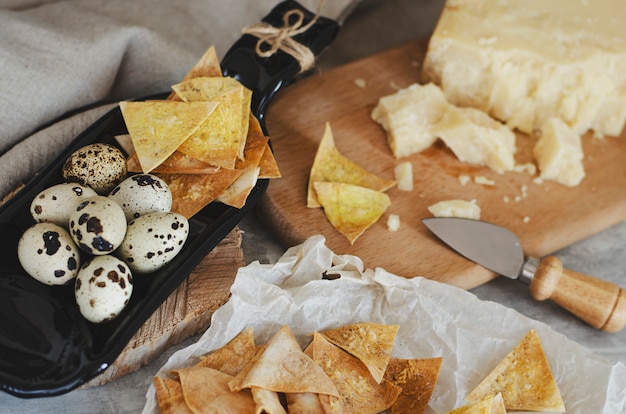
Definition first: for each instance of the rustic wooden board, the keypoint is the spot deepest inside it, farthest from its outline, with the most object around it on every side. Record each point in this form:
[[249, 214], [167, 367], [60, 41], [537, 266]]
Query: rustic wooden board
[[558, 215], [186, 312]]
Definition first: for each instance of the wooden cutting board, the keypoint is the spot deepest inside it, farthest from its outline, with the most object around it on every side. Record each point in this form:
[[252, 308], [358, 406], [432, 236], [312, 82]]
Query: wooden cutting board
[[556, 216]]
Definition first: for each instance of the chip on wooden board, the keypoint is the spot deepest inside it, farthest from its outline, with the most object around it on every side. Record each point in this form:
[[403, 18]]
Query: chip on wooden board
[[282, 366], [524, 378], [417, 378], [359, 392], [351, 209], [329, 165], [158, 128], [490, 404], [371, 343]]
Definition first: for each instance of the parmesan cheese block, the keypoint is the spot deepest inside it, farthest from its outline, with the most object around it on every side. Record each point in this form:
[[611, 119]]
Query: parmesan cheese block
[[527, 61], [407, 117], [476, 138], [559, 154], [455, 208]]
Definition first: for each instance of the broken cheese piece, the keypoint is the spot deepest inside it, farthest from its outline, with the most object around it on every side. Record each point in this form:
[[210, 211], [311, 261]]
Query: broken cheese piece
[[456, 208], [559, 154], [476, 138], [407, 117], [526, 61]]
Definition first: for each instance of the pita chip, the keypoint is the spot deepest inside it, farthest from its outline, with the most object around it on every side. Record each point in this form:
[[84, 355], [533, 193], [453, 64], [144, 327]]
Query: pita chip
[[217, 140], [351, 209], [282, 366], [169, 396], [232, 357], [358, 390], [490, 404], [304, 403], [268, 165], [206, 391], [158, 128], [266, 401], [208, 65], [330, 165], [523, 378], [417, 378], [372, 343]]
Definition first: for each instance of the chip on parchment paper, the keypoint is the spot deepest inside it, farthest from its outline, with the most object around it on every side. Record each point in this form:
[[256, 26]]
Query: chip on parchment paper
[[417, 378], [169, 396], [158, 128], [272, 368], [359, 392], [330, 165], [304, 403], [206, 390], [372, 343], [232, 357], [524, 378], [351, 209], [490, 404]]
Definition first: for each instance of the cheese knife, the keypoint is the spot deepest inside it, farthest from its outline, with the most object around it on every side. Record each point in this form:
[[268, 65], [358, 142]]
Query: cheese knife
[[598, 302]]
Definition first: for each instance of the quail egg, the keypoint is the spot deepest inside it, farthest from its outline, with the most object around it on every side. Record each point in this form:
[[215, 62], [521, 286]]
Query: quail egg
[[98, 225], [142, 194], [47, 252], [56, 203], [99, 166], [153, 240], [103, 288]]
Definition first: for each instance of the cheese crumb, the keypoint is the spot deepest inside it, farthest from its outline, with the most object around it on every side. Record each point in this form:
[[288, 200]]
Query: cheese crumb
[[479, 179], [456, 208], [360, 82], [393, 222], [404, 176], [526, 219], [464, 179]]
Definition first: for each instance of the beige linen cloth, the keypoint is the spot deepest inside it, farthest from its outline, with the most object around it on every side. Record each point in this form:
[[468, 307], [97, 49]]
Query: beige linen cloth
[[63, 64]]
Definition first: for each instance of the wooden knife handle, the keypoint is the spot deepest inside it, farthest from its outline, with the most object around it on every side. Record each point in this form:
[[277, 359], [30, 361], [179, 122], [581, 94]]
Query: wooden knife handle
[[599, 303]]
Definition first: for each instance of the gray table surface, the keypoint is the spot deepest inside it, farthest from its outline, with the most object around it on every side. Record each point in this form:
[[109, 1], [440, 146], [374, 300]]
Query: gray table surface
[[374, 26]]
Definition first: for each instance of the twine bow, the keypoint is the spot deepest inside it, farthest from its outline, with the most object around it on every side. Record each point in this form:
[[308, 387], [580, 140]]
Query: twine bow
[[272, 39]]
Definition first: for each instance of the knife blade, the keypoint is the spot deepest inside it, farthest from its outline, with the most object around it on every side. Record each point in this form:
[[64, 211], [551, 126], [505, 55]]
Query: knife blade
[[598, 302]]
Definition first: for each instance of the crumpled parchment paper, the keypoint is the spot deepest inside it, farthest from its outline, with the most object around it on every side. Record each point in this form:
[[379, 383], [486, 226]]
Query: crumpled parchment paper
[[435, 319]]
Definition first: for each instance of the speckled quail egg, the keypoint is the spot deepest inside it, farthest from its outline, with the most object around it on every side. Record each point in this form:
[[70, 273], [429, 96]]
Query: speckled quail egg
[[103, 288], [99, 166], [153, 240], [56, 203], [142, 194], [47, 252], [98, 225]]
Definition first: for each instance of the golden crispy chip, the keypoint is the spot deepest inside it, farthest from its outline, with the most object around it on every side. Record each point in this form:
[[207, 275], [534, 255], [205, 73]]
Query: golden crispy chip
[[192, 192], [217, 140], [169, 396], [417, 378], [268, 165], [330, 166], [304, 403], [206, 391], [237, 194], [232, 357], [266, 401], [208, 65], [358, 390], [372, 343], [349, 208], [282, 366], [490, 404], [158, 128], [176, 163], [524, 378]]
